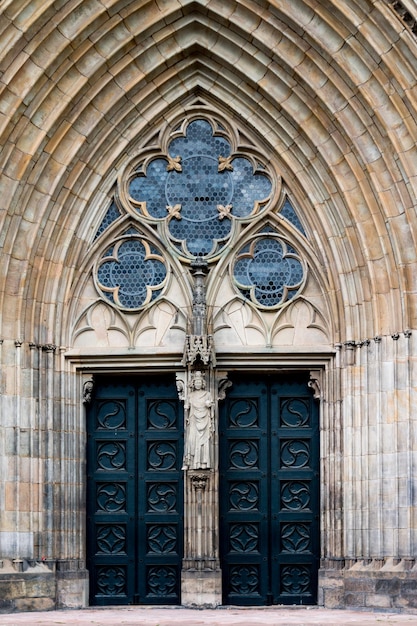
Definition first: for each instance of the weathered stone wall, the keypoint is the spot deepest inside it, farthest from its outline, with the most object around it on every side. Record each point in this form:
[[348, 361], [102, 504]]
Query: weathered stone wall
[[370, 583]]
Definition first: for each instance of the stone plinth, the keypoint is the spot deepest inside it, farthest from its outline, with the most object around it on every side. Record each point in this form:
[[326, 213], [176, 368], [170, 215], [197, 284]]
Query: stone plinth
[[392, 586], [201, 588]]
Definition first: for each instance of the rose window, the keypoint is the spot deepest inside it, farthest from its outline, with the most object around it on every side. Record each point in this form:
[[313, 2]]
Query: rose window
[[200, 187]]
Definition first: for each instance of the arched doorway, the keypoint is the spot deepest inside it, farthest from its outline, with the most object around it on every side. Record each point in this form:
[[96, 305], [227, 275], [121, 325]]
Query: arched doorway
[[202, 251]]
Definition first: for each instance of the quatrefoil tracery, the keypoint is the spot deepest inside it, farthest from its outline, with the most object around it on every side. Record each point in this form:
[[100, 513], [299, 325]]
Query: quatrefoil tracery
[[131, 273], [199, 188]]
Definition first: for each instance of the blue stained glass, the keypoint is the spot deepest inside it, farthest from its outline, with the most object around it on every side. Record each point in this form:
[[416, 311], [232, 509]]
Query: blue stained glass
[[289, 213], [199, 198], [151, 188], [266, 274], [247, 187], [199, 140], [111, 216], [126, 279], [199, 188]]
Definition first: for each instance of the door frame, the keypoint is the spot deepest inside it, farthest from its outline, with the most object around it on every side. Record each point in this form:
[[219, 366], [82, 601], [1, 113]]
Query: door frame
[[325, 379]]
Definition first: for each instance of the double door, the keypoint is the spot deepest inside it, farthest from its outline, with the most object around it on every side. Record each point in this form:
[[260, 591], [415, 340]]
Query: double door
[[269, 485], [269, 500]]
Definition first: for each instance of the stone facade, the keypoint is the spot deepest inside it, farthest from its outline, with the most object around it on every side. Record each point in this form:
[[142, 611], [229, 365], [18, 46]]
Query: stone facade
[[322, 96]]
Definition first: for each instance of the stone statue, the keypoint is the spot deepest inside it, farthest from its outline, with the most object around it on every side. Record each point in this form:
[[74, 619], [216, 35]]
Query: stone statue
[[199, 407]]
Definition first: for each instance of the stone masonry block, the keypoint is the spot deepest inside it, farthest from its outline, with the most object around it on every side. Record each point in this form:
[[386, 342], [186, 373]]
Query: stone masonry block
[[359, 584], [354, 599], [34, 604], [378, 601], [333, 598]]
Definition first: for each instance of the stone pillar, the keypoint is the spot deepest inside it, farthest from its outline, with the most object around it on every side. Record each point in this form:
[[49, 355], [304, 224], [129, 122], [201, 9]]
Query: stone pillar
[[201, 574]]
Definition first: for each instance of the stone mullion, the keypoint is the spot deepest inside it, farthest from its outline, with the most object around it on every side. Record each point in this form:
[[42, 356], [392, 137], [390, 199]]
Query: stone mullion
[[386, 496], [78, 412], [3, 461], [359, 459], [35, 479], [201, 575], [63, 497], [334, 476], [396, 389], [348, 429], [378, 548], [326, 466]]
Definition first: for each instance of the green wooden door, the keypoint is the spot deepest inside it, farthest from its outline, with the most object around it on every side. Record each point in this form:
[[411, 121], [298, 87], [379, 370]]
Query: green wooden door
[[269, 494], [135, 491]]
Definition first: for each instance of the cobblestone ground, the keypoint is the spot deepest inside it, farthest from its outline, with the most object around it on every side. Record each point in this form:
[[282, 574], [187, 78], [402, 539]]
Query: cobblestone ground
[[157, 616]]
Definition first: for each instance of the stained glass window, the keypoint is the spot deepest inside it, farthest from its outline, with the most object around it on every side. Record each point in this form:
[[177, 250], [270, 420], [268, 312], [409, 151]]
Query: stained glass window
[[200, 187], [268, 272], [131, 274], [194, 195]]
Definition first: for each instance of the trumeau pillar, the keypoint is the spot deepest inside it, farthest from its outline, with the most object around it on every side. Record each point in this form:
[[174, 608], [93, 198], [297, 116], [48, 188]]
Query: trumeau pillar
[[200, 387]]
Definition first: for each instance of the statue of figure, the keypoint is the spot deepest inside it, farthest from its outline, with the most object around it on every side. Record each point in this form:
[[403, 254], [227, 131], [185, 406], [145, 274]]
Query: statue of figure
[[198, 407]]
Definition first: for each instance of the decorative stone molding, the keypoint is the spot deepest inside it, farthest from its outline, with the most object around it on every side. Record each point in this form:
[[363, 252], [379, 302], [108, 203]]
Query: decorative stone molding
[[315, 383], [48, 347], [350, 348], [366, 564], [199, 480], [405, 15], [88, 389], [223, 385], [198, 347]]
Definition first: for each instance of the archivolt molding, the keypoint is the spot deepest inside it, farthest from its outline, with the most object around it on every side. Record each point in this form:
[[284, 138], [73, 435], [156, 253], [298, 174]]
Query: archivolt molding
[[330, 92]]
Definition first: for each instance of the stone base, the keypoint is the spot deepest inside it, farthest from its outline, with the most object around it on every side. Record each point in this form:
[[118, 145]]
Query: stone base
[[72, 585], [202, 588], [42, 586], [373, 583]]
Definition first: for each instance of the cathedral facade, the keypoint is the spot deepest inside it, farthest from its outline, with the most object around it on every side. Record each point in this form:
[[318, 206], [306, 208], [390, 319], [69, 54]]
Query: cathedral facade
[[208, 322]]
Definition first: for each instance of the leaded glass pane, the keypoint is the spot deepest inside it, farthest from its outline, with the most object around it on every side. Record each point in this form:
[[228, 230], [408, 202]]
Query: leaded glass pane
[[267, 273], [111, 216], [132, 275], [289, 213], [151, 188], [200, 188]]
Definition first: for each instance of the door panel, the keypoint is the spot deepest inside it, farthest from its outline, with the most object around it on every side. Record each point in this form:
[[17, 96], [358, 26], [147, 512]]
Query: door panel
[[269, 492], [135, 492]]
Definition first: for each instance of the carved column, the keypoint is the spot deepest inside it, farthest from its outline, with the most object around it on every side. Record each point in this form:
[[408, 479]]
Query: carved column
[[199, 390]]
